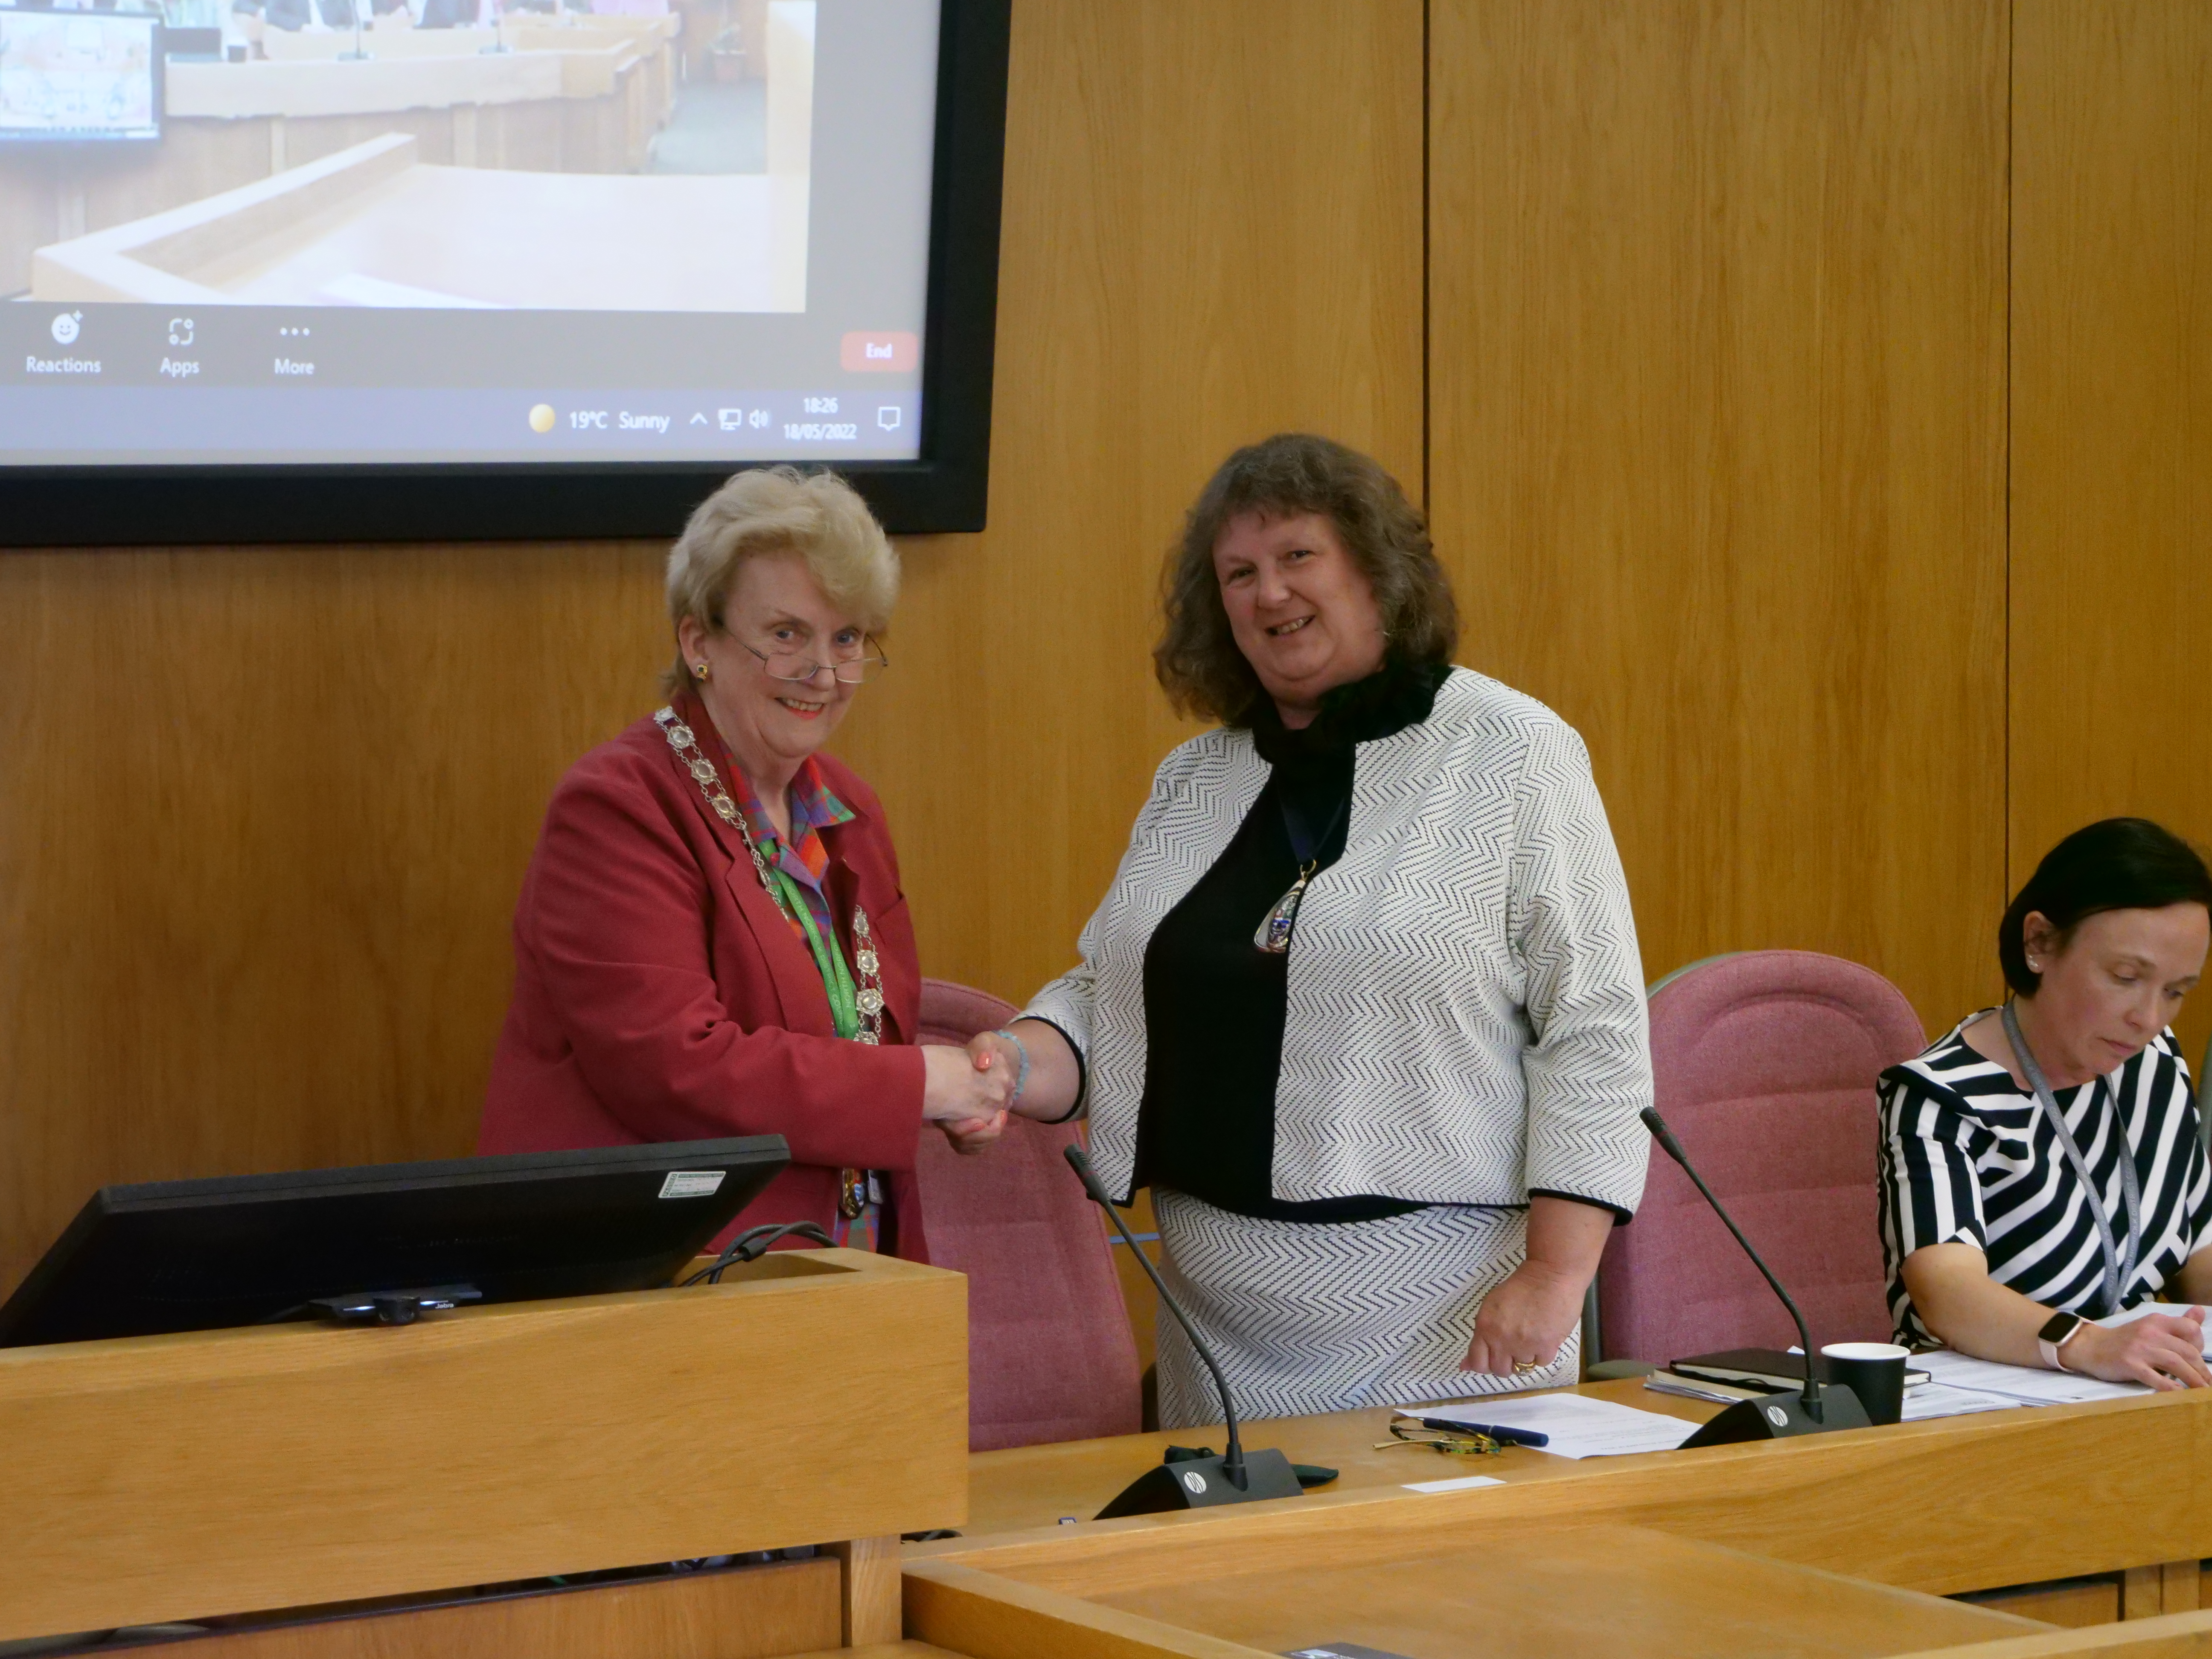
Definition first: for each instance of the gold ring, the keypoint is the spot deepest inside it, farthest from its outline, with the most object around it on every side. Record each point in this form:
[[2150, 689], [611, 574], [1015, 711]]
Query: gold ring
[[1523, 1367]]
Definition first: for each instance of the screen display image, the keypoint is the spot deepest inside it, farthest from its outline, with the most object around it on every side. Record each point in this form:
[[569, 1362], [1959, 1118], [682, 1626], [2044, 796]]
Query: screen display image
[[455, 231], [73, 76]]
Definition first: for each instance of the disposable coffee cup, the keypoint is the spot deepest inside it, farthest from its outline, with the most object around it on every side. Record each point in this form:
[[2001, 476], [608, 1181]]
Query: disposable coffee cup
[[1873, 1371]]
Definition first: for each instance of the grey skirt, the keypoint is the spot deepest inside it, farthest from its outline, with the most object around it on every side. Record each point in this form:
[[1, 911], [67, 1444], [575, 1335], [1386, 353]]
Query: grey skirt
[[1323, 1318]]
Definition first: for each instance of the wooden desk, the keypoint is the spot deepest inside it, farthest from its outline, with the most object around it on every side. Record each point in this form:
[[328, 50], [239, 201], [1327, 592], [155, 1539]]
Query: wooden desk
[[1931, 1508], [1038, 1485], [293, 1466], [1576, 1591]]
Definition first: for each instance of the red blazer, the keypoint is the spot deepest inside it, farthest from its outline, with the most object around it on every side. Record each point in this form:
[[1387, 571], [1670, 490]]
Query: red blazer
[[659, 994]]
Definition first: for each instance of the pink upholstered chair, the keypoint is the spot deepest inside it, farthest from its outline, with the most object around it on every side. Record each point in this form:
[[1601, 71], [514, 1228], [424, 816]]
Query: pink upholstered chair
[[1764, 1065], [1049, 1353]]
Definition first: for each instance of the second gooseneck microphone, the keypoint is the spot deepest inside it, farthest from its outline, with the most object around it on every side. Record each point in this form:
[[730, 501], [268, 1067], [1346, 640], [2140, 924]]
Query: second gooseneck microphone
[[1811, 1396], [1817, 1407]]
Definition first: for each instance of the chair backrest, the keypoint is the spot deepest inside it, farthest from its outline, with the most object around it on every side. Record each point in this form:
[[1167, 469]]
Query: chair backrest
[[1050, 1356], [1764, 1064]]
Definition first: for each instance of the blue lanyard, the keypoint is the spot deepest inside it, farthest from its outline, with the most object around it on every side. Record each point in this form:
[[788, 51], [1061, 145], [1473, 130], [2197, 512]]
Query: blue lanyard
[[1304, 845]]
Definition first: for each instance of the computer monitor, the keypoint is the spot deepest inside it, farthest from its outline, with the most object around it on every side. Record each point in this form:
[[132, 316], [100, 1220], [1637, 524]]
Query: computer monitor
[[543, 271], [188, 1255]]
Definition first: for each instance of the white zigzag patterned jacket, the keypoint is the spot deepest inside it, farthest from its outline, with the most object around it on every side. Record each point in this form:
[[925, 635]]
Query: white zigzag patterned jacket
[[1466, 1020]]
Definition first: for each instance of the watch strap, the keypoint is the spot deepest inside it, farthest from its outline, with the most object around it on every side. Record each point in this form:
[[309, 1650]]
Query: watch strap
[[2060, 1330]]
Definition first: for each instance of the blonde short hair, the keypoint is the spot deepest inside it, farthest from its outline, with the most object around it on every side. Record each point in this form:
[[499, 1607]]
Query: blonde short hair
[[779, 509]]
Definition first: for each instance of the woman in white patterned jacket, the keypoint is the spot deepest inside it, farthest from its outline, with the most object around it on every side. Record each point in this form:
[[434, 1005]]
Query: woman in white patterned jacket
[[1363, 1007]]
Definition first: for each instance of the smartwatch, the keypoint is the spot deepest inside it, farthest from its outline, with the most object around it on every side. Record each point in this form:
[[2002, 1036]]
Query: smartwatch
[[2055, 1336]]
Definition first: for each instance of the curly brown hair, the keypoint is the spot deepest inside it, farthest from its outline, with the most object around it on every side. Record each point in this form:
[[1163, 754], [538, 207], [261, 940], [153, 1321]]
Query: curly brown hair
[[1197, 660]]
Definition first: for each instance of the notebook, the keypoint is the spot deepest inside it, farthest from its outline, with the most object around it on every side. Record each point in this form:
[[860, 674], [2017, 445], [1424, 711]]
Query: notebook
[[1765, 1368]]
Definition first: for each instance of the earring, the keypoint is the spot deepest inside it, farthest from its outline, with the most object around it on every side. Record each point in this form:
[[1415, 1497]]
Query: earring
[[700, 670], [2033, 966]]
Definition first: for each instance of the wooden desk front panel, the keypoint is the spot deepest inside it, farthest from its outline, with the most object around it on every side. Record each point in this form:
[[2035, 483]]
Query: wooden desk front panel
[[747, 1613], [169, 1477]]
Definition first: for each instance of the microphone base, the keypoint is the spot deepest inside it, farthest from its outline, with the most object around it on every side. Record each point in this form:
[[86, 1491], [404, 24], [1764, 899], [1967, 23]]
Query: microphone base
[[1198, 1483], [1782, 1417]]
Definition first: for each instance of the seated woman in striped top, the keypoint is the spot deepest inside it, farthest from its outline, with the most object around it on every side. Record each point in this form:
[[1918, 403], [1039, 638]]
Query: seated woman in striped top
[[2042, 1165]]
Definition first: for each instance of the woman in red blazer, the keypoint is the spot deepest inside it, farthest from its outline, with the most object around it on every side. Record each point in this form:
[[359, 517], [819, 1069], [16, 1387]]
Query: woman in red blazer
[[711, 938]]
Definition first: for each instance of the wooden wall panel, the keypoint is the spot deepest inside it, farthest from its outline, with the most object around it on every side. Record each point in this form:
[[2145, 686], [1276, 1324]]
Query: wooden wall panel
[[2111, 422], [1212, 232], [1717, 435], [263, 813], [1717, 428]]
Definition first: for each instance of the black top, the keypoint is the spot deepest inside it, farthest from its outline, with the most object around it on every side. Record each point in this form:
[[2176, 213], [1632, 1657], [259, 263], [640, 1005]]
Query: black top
[[1214, 1002]]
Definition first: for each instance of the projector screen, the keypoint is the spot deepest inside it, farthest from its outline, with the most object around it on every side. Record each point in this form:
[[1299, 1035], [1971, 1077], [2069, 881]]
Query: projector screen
[[435, 268]]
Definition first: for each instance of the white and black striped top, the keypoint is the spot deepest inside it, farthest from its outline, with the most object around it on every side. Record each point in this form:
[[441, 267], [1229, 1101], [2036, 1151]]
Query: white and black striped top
[[1968, 1157]]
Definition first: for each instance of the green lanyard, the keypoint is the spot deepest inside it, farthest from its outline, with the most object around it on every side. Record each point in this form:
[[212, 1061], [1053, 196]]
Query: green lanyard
[[828, 959]]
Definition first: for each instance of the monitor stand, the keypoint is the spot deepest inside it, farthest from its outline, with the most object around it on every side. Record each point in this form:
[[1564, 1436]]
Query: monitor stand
[[391, 1307]]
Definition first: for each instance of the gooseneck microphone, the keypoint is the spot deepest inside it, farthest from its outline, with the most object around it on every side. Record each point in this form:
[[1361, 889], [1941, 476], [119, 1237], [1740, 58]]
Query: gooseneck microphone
[[1190, 1482], [1233, 1464], [1817, 1406], [1672, 1148]]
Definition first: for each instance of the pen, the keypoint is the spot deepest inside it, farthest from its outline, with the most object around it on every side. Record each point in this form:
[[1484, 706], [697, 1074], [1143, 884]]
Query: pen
[[1498, 1432]]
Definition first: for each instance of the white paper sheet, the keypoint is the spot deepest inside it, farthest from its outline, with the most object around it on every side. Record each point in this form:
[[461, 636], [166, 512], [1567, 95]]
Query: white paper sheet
[[2128, 1315], [1579, 1425], [2024, 1384], [1462, 1483], [1948, 1400]]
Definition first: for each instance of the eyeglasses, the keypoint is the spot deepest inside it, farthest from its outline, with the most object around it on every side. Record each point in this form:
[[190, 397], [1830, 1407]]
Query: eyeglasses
[[849, 670], [1405, 1433]]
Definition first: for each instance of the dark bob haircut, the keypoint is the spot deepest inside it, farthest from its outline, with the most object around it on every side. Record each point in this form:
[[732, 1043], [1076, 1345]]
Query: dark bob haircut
[[1292, 473], [2118, 864]]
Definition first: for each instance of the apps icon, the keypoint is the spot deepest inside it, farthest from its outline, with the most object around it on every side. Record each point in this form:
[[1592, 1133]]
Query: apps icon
[[180, 330]]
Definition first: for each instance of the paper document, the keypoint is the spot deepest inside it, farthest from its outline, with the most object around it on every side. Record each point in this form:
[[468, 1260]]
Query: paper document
[[2128, 1315], [2024, 1384], [1461, 1483], [1948, 1400], [1579, 1426]]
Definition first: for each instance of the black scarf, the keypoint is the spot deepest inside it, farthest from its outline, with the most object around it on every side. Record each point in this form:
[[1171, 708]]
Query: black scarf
[[1398, 694]]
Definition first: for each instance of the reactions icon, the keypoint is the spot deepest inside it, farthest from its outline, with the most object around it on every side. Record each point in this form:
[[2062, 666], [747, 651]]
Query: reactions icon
[[541, 418], [65, 328]]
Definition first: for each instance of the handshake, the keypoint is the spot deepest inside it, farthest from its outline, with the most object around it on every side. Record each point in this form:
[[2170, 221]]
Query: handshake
[[967, 1092]]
